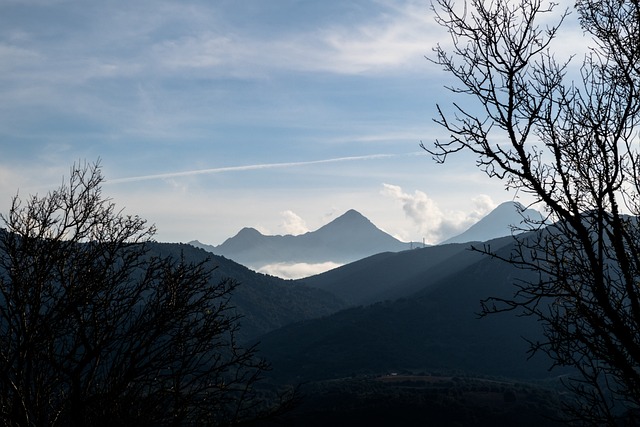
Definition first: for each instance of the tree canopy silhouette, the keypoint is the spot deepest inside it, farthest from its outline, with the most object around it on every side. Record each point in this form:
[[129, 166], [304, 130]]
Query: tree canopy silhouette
[[97, 330], [572, 145]]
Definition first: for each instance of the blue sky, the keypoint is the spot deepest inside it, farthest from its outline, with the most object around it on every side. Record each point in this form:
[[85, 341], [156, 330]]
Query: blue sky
[[209, 116]]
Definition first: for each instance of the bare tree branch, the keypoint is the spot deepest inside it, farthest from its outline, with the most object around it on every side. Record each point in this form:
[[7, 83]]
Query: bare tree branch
[[573, 146], [96, 329]]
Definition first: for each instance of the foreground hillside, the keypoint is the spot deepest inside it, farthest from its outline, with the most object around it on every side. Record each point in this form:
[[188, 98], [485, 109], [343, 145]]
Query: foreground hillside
[[442, 400]]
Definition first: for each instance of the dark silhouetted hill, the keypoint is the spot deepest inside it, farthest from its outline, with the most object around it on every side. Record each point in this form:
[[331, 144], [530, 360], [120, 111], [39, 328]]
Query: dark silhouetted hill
[[434, 328], [266, 302], [390, 275]]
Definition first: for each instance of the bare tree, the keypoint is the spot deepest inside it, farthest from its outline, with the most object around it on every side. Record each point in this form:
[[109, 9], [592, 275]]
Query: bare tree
[[97, 330], [573, 146]]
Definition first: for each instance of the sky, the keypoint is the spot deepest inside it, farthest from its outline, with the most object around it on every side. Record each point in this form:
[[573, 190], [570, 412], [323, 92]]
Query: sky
[[210, 116]]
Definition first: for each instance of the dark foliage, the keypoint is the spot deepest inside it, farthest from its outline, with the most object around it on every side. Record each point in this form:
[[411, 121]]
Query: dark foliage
[[419, 399]]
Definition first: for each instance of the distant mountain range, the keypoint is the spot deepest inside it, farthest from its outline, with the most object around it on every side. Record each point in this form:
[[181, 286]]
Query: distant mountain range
[[345, 239], [349, 238], [394, 310]]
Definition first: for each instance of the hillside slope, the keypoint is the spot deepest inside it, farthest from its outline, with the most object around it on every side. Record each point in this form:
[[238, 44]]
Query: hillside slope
[[436, 328], [389, 276], [265, 302]]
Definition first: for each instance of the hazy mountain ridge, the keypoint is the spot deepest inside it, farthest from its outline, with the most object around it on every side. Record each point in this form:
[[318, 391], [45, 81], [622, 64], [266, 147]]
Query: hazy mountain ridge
[[345, 239], [351, 237]]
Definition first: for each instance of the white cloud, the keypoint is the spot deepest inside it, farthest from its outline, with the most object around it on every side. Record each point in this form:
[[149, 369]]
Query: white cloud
[[135, 42], [293, 224], [483, 204], [432, 222], [297, 270], [418, 207]]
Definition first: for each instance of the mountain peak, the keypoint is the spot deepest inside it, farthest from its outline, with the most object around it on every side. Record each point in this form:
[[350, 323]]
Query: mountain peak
[[348, 237], [352, 212], [498, 223], [249, 231], [248, 236], [352, 215], [509, 206], [347, 222]]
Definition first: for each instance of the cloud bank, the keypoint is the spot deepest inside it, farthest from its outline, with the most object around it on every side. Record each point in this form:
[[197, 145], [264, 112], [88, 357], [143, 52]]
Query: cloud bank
[[297, 270]]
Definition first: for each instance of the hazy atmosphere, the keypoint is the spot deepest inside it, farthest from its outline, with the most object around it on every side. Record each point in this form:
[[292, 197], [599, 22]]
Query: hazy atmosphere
[[212, 116]]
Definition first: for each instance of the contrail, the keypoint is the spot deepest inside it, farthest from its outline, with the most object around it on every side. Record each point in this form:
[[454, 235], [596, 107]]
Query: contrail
[[250, 167]]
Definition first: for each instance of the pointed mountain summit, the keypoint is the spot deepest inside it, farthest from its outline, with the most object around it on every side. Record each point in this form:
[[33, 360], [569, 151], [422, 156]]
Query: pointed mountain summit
[[351, 216], [352, 225], [498, 223], [248, 236], [347, 238]]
